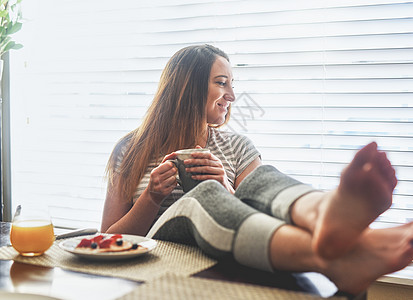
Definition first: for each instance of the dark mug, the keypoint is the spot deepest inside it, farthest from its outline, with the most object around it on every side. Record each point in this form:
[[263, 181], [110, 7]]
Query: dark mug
[[185, 178]]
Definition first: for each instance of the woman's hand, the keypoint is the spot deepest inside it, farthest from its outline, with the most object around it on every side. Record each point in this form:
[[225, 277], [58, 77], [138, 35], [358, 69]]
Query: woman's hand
[[162, 180], [210, 166]]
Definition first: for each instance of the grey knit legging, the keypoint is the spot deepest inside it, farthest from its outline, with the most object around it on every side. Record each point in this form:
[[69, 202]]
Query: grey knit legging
[[240, 225]]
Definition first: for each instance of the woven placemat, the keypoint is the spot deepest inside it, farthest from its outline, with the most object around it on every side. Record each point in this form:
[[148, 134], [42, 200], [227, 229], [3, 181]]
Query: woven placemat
[[173, 287], [166, 258]]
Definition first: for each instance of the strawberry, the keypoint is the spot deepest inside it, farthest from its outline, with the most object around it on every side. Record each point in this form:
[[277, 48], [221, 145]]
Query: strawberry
[[98, 238], [116, 236], [85, 243], [106, 243]]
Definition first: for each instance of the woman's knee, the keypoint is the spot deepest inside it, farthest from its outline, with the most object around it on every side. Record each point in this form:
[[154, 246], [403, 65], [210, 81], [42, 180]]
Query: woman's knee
[[206, 187]]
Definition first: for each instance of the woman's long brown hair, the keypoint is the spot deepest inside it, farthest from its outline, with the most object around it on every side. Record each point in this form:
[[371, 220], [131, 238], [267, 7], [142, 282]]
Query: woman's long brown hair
[[174, 120]]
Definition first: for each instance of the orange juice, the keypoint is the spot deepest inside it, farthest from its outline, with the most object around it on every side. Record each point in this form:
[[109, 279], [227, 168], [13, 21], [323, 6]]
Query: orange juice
[[31, 237]]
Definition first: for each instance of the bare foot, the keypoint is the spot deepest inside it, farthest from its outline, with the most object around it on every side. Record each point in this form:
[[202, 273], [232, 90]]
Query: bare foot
[[378, 252], [365, 191]]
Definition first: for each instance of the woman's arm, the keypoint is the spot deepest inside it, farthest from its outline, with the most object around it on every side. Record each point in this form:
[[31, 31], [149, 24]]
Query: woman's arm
[[251, 167], [121, 216]]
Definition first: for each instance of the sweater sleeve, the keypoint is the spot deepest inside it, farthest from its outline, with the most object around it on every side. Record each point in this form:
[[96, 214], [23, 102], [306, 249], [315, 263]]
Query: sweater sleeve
[[245, 153], [119, 153]]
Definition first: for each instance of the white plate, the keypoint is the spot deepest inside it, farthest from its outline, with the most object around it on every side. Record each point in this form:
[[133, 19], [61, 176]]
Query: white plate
[[23, 296], [149, 244]]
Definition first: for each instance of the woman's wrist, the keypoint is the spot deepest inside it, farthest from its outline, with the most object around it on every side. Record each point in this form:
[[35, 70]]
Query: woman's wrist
[[151, 197]]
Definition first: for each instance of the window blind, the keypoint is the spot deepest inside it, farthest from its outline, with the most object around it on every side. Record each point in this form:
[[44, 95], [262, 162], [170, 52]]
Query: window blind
[[315, 81]]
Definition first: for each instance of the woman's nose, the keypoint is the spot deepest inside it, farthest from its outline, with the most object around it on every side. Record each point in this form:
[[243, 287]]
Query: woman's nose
[[229, 95]]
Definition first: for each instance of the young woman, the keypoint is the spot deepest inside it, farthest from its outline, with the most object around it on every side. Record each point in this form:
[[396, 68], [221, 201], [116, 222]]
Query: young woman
[[255, 214], [194, 98]]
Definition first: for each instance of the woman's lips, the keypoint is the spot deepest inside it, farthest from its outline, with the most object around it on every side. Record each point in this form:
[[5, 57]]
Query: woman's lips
[[223, 106]]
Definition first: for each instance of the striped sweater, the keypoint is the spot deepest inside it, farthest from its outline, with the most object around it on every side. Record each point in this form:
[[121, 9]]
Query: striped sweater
[[235, 151]]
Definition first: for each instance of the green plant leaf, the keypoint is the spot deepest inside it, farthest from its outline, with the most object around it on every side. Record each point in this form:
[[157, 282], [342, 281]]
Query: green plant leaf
[[10, 14], [9, 46], [14, 28], [4, 42], [12, 46], [17, 46]]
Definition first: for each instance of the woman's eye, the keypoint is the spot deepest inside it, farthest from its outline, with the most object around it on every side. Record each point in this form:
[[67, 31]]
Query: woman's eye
[[221, 83]]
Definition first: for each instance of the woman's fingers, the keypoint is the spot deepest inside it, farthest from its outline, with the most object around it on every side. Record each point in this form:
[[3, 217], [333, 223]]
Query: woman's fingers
[[203, 159], [163, 177], [172, 155], [206, 169], [163, 171], [206, 163], [203, 177], [209, 167], [207, 155], [202, 162], [168, 169]]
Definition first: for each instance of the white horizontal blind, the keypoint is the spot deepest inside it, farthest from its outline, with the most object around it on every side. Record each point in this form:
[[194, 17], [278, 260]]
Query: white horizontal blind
[[315, 81]]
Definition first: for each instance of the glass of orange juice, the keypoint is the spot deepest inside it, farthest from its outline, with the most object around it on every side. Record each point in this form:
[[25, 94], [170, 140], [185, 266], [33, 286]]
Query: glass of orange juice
[[31, 231]]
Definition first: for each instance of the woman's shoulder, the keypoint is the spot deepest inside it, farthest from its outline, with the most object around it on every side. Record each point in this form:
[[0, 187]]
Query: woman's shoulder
[[228, 136], [220, 132], [237, 149], [123, 144]]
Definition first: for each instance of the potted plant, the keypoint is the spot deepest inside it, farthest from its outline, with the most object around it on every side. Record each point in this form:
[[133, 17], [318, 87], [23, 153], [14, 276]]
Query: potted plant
[[10, 15]]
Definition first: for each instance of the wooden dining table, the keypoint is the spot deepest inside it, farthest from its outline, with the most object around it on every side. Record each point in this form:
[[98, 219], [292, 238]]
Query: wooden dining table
[[54, 281]]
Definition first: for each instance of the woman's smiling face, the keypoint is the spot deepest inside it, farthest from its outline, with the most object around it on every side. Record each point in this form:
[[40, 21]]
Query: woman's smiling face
[[220, 92]]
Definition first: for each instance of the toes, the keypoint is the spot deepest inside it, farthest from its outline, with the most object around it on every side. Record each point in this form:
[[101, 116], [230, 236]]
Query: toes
[[365, 154], [383, 162], [392, 179], [371, 161], [387, 170]]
